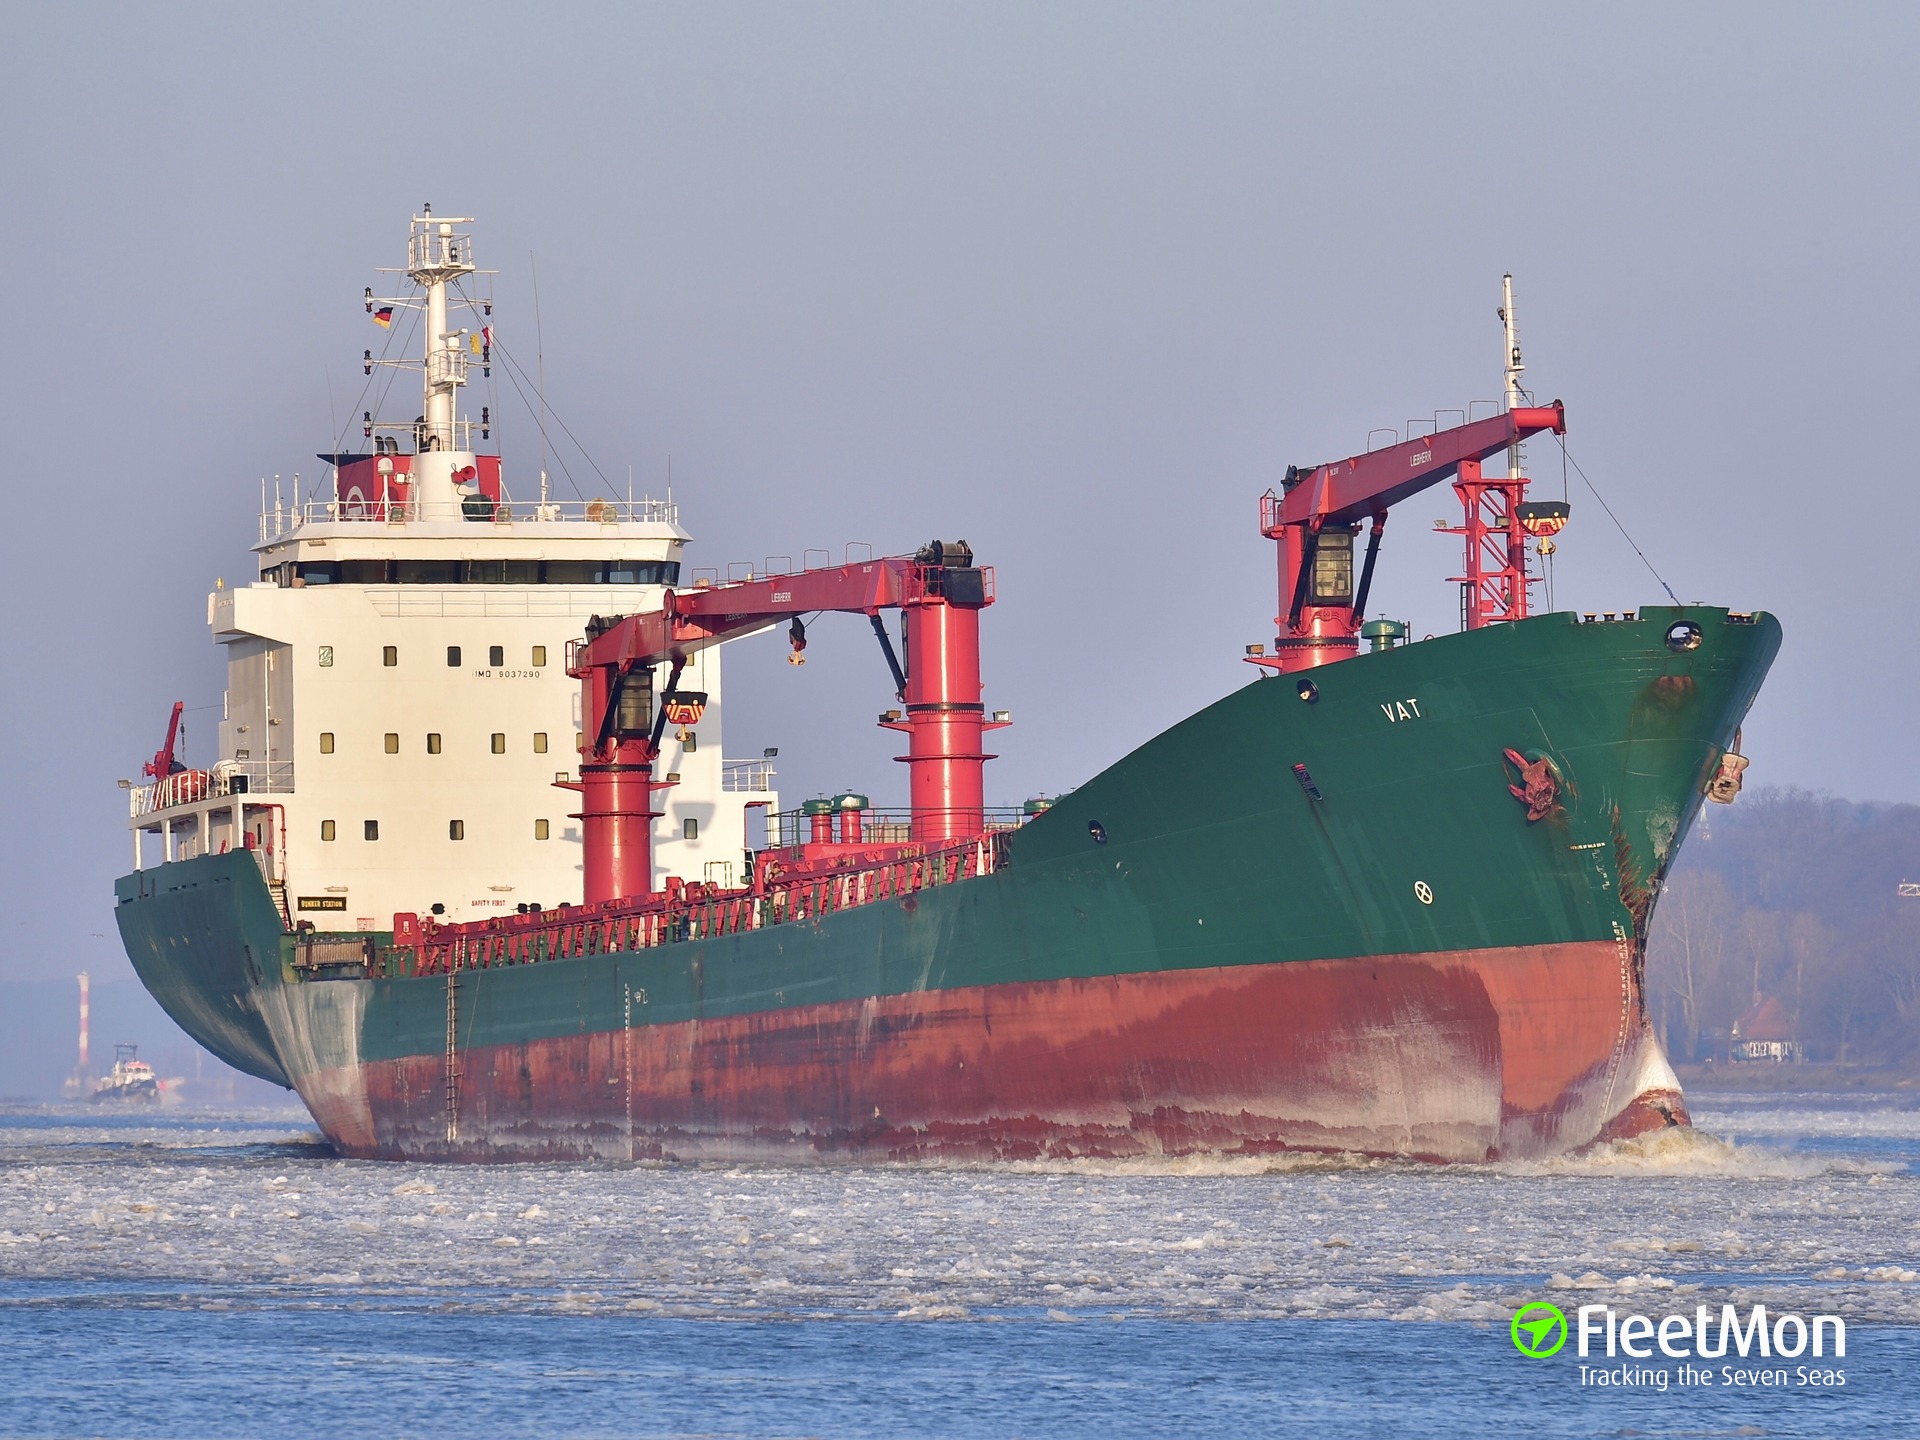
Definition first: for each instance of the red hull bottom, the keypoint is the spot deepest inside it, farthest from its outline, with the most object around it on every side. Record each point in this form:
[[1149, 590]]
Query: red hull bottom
[[1468, 1056]]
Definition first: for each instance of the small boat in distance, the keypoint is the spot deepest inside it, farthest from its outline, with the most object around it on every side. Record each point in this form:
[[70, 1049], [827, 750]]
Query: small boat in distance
[[130, 1079]]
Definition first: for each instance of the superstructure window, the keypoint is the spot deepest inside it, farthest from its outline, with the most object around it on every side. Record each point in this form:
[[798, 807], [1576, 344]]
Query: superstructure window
[[610, 572], [539, 656], [691, 743], [540, 830], [393, 743], [326, 742], [389, 655], [427, 572], [326, 829], [456, 829], [370, 829], [496, 655], [499, 742], [501, 572], [689, 829], [433, 742], [475, 572], [539, 742], [453, 657], [326, 657]]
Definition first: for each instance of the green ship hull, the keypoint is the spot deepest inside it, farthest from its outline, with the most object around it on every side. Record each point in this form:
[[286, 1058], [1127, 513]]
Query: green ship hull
[[1404, 917]]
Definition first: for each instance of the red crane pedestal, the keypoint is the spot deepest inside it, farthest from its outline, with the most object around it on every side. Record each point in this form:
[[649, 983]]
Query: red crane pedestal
[[946, 775], [1323, 633], [616, 823]]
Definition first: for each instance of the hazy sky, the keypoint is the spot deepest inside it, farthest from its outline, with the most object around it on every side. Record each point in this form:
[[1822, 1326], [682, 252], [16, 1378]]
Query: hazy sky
[[1073, 282]]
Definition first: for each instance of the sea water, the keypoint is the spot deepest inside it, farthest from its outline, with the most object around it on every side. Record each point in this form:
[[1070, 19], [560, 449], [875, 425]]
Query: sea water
[[168, 1274]]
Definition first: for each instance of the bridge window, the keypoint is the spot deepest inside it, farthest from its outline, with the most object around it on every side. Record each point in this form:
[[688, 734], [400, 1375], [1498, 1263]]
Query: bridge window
[[427, 572], [326, 829], [501, 572]]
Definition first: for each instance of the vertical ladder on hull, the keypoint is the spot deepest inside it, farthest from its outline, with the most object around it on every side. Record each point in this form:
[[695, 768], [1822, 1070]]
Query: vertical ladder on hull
[[452, 1071]]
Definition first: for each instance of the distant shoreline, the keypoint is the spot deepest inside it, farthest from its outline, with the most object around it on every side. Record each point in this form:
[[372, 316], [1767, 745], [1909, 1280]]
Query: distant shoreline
[[1755, 1077]]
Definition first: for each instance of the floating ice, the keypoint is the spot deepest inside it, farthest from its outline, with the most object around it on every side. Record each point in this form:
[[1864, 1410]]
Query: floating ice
[[1815, 1210]]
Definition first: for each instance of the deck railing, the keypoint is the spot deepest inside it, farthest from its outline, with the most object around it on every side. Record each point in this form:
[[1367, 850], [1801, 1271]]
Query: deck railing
[[224, 780], [880, 827], [690, 914], [279, 520], [746, 776]]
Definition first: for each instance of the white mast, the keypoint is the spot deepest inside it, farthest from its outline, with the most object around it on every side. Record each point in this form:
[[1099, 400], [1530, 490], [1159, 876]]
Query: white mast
[[1514, 367], [438, 252]]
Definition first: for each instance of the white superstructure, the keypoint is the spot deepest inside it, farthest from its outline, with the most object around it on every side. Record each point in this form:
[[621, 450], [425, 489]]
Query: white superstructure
[[398, 707]]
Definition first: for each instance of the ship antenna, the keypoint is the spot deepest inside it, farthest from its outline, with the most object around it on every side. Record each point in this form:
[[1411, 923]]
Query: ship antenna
[[540, 366], [1514, 367]]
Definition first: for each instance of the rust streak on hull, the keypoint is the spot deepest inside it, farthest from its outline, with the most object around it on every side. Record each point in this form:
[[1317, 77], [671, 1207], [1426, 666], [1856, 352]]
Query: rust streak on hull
[[1462, 1056]]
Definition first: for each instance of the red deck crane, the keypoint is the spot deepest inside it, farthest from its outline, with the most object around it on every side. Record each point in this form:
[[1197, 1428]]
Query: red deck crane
[[940, 594], [164, 762], [1317, 515]]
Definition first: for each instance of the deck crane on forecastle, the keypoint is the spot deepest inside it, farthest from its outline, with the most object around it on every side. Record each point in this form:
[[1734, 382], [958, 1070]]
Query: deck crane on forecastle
[[1317, 514]]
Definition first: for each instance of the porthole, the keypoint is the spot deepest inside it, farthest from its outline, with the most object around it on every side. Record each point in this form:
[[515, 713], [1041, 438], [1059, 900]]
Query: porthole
[[1683, 635], [1097, 831], [1307, 691]]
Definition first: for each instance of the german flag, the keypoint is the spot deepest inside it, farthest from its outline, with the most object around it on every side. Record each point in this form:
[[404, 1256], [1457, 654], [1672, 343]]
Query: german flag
[[383, 317]]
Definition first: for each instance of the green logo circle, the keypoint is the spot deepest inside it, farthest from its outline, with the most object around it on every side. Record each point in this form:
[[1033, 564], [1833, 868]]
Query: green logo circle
[[1539, 1330]]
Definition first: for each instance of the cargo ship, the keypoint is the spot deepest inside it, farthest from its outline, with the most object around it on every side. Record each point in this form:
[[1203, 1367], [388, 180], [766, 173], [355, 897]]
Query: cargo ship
[[1391, 903]]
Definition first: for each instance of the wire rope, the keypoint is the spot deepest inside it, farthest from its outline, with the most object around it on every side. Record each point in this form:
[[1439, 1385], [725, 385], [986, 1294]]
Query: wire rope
[[1568, 454]]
